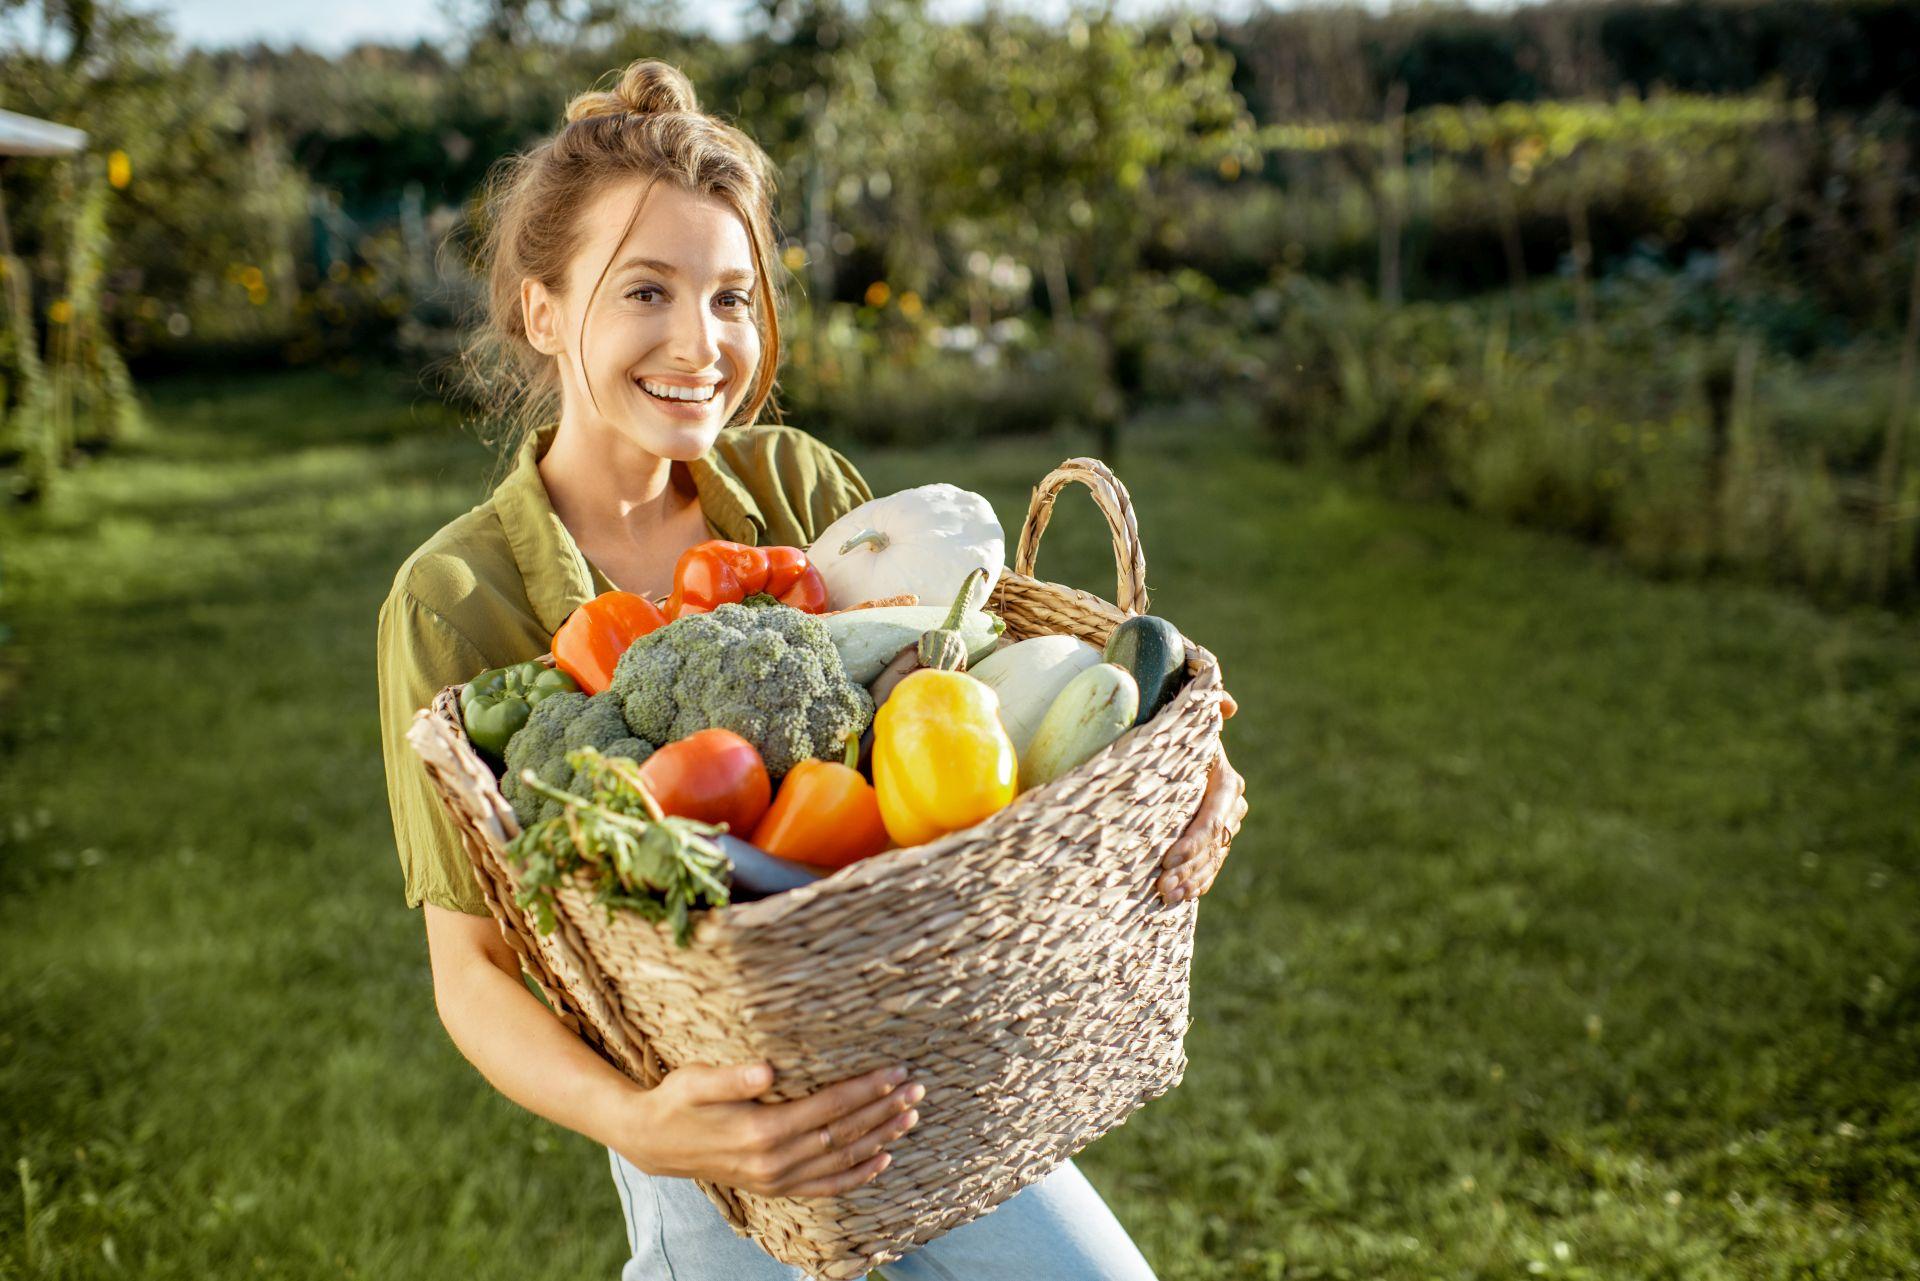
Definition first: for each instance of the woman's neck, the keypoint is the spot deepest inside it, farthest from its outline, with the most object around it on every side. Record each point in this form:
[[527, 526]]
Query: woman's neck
[[606, 481], [618, 501]]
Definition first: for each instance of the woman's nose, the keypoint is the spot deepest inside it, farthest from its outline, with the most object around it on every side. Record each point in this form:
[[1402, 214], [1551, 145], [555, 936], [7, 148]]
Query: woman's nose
[[693, 336]]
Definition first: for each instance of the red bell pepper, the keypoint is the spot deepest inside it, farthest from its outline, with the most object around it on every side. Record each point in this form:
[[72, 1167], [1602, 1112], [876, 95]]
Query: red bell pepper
[[792, 580], [718, 572]]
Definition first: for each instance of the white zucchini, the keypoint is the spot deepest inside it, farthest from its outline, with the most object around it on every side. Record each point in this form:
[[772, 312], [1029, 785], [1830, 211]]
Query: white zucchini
[[1096, 707], [868, 639], [1028, 675]]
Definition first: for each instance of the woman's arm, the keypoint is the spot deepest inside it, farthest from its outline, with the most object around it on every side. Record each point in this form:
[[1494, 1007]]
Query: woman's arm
[[700, 1122], [504, 1030]]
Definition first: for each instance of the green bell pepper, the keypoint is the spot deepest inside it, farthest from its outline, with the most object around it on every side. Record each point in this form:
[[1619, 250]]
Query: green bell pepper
[[497, 702]]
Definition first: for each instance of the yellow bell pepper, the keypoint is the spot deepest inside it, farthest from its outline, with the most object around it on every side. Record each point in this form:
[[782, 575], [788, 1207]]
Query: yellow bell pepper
[[941, 758]]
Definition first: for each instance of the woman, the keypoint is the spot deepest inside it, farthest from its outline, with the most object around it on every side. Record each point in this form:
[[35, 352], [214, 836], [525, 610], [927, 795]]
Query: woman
[[632, 296]]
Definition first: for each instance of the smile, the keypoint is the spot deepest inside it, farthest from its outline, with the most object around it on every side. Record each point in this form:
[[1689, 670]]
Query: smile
[[684, 395]]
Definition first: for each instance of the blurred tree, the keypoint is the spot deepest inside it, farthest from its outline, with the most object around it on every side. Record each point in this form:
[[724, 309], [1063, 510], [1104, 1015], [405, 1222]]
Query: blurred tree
[[1057, 140]]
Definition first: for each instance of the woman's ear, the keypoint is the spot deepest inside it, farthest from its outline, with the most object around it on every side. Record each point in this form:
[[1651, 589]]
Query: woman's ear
[[540, 312]]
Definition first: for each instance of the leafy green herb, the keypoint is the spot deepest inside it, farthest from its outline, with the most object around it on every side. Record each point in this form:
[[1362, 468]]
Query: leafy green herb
[[620, 845]]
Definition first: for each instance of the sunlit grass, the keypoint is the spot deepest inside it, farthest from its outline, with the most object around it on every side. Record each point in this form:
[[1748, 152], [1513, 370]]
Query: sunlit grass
[[1570, 933]]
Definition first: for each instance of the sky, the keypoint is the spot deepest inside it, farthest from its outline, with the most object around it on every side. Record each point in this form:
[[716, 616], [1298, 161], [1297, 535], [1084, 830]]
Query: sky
[[338, 24]]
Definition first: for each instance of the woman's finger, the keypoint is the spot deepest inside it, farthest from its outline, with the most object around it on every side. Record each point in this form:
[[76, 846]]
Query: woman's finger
[[1200, 880], [847, 1132], [733, 1083], [829, 1164], [1193, 861], [836, 1184], [786, 1121], [1224, 786]]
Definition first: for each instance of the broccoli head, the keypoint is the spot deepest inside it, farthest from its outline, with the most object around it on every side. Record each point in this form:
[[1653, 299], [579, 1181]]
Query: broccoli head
[[770, 674], [542, 744]]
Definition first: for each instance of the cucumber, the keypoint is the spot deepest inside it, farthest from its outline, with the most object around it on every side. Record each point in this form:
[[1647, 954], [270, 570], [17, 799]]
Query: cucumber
[[1151, 650], [868, 639], [1096, 707]]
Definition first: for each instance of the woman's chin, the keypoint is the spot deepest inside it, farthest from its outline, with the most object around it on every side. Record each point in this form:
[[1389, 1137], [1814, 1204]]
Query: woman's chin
[[680, 441]]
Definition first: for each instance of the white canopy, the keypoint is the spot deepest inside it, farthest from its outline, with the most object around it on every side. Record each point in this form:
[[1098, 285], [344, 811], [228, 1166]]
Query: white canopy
[[25, 136]]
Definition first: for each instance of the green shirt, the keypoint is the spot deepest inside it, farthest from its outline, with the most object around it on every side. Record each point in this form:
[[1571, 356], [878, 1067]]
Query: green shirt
[[493, 585]]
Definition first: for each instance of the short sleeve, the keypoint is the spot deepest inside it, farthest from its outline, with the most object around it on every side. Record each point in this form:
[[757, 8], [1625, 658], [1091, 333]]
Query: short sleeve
[[420, 654]]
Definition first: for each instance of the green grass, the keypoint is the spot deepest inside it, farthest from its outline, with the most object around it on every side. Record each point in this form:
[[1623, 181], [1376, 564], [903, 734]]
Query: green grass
[[1570, 934]]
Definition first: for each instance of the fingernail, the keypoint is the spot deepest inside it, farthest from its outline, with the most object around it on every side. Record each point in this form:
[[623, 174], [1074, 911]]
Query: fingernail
[[915, 1093], [896, 1075], [886, 1159], [908, 1121]]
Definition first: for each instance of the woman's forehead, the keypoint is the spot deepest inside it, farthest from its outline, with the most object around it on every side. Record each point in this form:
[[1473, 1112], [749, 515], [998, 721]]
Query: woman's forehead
[[677, 233]]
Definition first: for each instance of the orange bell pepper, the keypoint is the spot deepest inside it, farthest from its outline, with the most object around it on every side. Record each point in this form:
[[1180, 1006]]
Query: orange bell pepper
[[590, 642], [718, 572], [825, 815]]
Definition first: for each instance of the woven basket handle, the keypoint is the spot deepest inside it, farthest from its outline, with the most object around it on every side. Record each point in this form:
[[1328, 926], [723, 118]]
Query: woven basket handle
[[1129, 559]]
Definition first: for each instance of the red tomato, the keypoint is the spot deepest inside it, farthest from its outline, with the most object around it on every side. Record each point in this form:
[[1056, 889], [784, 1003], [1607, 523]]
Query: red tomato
[[715, 776]]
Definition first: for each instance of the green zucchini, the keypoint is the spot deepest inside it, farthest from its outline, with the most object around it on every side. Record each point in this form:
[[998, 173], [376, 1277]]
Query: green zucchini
[[1151, 650], [1096, 707]]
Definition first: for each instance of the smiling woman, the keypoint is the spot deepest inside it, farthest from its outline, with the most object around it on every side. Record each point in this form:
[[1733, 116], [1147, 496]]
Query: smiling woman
[[657, 355], [633, 336]]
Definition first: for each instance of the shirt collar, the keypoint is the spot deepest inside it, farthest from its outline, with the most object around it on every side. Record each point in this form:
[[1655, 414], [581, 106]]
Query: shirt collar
[[558, 577]]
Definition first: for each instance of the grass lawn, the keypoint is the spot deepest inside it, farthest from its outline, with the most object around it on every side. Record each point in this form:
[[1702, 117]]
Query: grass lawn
[[1572, 932]]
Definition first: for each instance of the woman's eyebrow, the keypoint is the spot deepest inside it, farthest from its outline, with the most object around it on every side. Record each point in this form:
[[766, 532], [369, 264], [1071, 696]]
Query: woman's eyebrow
[[732, 275]]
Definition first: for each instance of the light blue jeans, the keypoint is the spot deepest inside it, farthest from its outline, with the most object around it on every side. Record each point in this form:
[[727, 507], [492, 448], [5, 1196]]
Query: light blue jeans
[[1058, 1229]]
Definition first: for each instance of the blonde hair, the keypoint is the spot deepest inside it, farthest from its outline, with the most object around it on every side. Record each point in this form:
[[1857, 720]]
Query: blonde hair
[[648, 126]]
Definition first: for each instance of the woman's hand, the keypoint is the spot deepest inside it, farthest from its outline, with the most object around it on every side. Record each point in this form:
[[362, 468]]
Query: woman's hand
[[1195, 858], [703, 1123]]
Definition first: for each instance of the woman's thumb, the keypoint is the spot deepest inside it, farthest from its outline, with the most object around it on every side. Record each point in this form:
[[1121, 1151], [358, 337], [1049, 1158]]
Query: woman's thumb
[[730, 1084]]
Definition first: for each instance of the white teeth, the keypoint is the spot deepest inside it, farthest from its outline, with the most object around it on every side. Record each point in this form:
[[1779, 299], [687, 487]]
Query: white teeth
[[665, 392]]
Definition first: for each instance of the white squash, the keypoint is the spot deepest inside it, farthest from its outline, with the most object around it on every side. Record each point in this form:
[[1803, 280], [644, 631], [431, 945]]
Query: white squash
[[1028, 675], [921, 541]]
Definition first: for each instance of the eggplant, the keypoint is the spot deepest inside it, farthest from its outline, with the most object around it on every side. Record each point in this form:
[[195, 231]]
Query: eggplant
[[758, 874], [903, 664]]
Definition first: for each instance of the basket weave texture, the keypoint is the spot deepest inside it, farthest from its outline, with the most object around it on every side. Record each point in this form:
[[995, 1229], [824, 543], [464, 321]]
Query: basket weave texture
[[1025, 968]]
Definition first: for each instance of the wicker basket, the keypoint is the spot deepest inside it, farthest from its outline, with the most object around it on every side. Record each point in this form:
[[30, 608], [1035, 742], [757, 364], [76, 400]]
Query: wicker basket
[[1024, 968]]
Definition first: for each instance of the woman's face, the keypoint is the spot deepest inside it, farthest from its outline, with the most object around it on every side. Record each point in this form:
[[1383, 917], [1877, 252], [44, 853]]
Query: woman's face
[[670, 345]]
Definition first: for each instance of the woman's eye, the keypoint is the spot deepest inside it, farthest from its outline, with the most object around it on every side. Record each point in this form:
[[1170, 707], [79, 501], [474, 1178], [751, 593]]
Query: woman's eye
[[739, 300], [636, 293]]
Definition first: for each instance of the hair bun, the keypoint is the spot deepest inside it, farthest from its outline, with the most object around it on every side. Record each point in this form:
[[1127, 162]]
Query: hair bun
[[647, 87]]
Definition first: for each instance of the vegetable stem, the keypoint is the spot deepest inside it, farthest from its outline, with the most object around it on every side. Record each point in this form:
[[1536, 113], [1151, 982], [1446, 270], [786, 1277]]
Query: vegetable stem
[[943, 647], [620, 845], [875, 540]]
